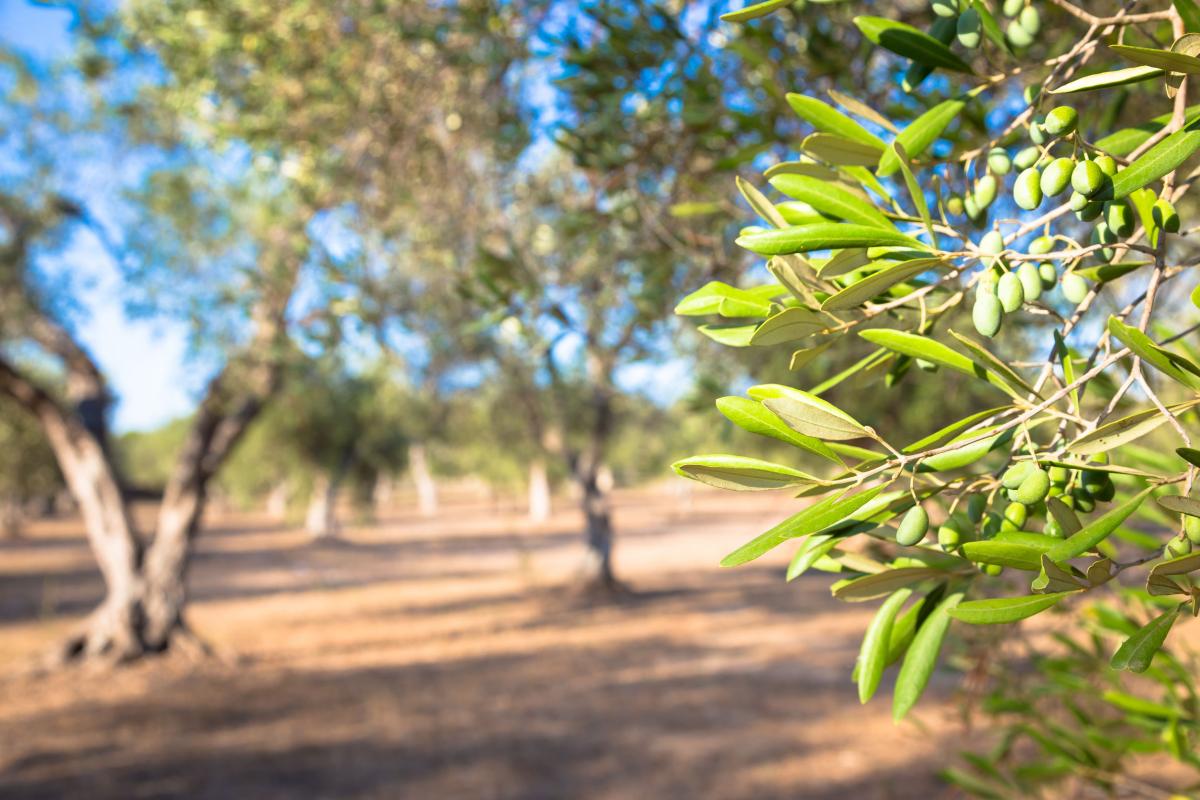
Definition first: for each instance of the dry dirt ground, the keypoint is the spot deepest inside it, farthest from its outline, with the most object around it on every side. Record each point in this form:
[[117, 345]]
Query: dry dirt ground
[[444, 659]]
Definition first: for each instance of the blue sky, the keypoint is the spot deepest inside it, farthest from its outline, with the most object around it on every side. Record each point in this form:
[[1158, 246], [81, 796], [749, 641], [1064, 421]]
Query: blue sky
[[146, 360]]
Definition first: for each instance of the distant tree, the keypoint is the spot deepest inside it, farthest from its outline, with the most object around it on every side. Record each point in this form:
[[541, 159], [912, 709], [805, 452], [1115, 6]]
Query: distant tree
[[28, 471]]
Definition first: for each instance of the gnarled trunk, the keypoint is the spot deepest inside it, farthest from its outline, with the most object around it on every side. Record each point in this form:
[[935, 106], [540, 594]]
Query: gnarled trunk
[[597, 514], [427, 491]]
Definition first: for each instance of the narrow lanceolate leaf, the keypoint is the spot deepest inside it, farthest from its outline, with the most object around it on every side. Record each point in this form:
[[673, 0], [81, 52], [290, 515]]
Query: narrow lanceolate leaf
[[729, 335], [920, 134], [808, 413], [1156, 162], [1124, 430], [1005, 609], [1123, 142], [787, 326], [844, 261], [857, 294], [759, 202], [823, 236], [989, 361], [872, 658], [1064, 515], [1054, 578], [811, 550], [1017, 555], [755, 10], [1162, 59], [991, 28], [915, 345], [827, 119], [831, 199], [1097, 530], [915, 191], [922, 657], [870, 587], [863, 110], [907, 41], [942, 435], [839, 151], [716, 297], [740, 473], [1104, 80], [1159, 582], [753, 416], [816, 517], [1171, 364], [1137, 652], [1189, 12], [1180, 505]]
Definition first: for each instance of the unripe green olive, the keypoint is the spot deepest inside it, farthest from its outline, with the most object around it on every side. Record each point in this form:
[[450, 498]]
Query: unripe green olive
[[992, 243], [1179, 547], [944, 8], [1092, 479], [1030, 20], [985, 191], [976, 505], [1048, 274], [1078, 202], [1015, 515], [1165, 216], [1075, 287], [969, 29], [971, 206], [987, 314], [1087, 178], [1107, 165], [1034, 488], [1090, 211], [954, 206], [1053, 529], [1106, 491], [1041, 245], [949, 537], [1013, 7], [1037, 134], [927, 366], [1027, 189], [1031, 281], [989, 279], [999, 161], [1027, 158], [1009, 292], [1102, 234], [1031, 93], [1057, 176], [1119, 218], [1062, 120], [1191, 528], [1059, 476], [993, 570], [1083, 500], [1015, 475], [1017, 36], [913, 527]]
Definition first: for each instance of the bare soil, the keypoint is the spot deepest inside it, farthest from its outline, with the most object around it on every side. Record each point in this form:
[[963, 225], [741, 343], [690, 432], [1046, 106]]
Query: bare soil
[[450, 658]]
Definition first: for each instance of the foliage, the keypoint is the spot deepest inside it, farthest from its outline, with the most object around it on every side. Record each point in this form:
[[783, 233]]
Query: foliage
[[1074, 479]]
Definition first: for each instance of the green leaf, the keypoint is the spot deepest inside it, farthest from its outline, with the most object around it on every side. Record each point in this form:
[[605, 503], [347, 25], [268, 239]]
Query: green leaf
[[787, 326], [808, 413], [759, 202], [1190, 455], [1137, 652], [816, 517], [920, 134], [915, 191], [991, 28], [1104, 80], [907, 41], [1124, 430], [872, 658], [844, 261], [1140, 705], [922, 657], [857, 294], [827, 119], [753, 416], [943, 435], [1103, 273], [1156, 162], [1180, 505], [869, 587], [1189, 12], [755, 10], [987, 360], [1064, 515], [818, 171], [1008, 553], [1002, 610], [740, 473], [729, 335], [1053, 578], [834, 149], [823, 236], [1159, 583], [1126, 140], [1171, 364], [861, 109], [716, 297], [1097, 530], [915, 345], [1162, 59], [811, 550], [831, 199]]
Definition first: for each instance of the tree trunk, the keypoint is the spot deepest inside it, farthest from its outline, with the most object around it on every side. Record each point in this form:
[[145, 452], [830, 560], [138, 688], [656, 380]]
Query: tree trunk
[[12, 518], [277, 501], [321, 519], [539, 491], [597, 514], [427, 491]]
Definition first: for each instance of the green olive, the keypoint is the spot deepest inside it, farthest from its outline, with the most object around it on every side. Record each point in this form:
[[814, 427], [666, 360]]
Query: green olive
[[1027, 158], [1191, 528], [1030, 20], [1091, 210], [1075, 287], [1027, 189], [954, 206], [992, 243], [999, 161], [1013, 7], [913, 527], [944, 8], [1062, 120], [969, 29], [1119, 218], [1015, 475], [1041, 245], [1053, 529], [949, 537], [1179, 547], [1102, 234], [1048, 274], [1056, 177], [1009, 292], [1037, 134], [1165, 216], [1083, 500], [1087, 178], [1015, 515], [1031, 281], [1034, 488], [993, 570], [987, 315], [985, 191], [1107, 165], [976, 505], [1017, 36]]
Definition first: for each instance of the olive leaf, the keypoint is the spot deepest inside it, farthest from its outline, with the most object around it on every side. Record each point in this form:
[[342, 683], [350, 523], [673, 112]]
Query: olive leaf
[[808, 413], [831, 199], [822, 236], [1002, 610], [922, 657], [872, 658], [1137, 652], [740, 472], [907, 41], [828, 119]]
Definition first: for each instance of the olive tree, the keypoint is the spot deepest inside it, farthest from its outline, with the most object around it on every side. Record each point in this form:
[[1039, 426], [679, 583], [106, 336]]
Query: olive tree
[[1010, 220]]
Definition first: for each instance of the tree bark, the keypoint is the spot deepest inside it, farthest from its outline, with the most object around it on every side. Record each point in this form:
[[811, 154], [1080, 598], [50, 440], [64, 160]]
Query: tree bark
[[277, 500], [427, 491], [539, 491], [321, 519], [12, 518]]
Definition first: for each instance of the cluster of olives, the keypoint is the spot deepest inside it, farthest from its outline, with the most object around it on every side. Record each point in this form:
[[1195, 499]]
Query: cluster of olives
[[1026, 487], [967, 25], [1002, 290]]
